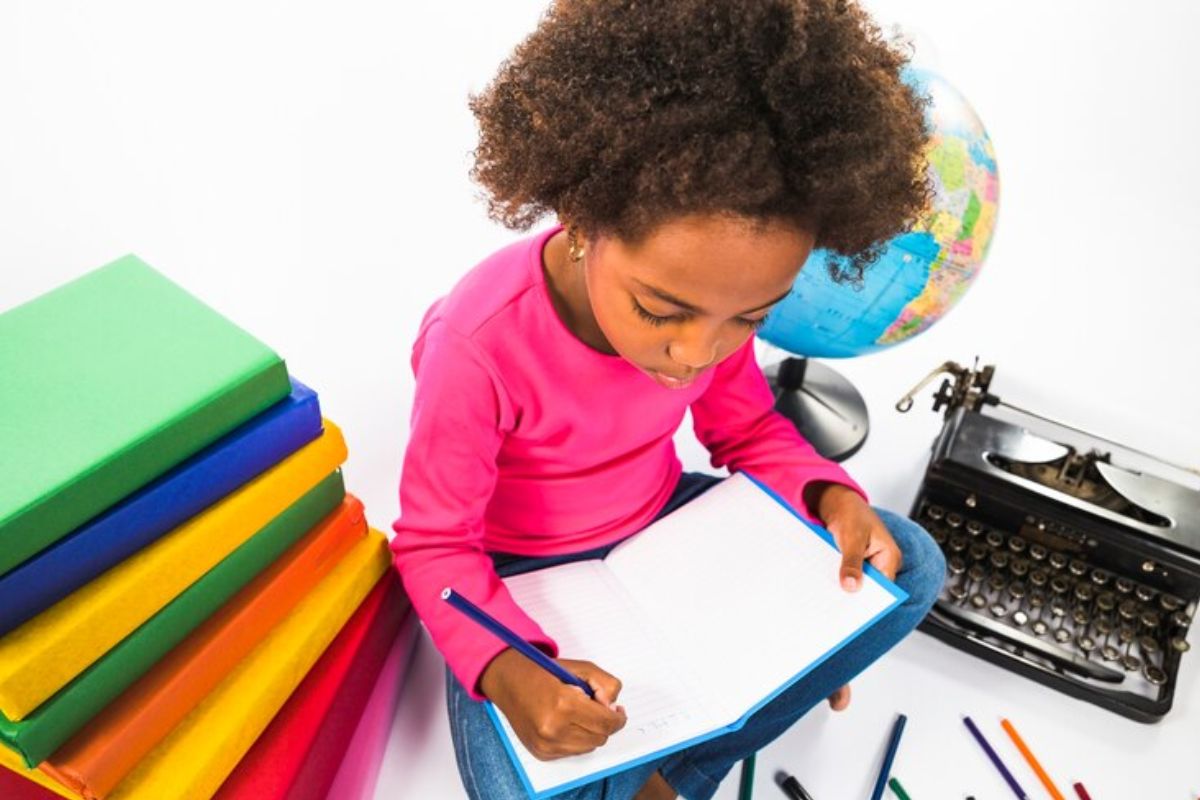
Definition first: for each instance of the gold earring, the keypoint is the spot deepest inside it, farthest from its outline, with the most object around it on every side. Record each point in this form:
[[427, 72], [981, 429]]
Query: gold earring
[[574, 248]]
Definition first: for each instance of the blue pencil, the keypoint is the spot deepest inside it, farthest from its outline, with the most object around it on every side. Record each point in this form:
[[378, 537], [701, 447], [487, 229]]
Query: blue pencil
[[513, 640], [987, 748], [889, 757]]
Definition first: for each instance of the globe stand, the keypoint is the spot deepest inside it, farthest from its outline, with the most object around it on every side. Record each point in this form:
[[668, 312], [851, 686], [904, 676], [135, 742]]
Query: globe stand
[[822, 404]]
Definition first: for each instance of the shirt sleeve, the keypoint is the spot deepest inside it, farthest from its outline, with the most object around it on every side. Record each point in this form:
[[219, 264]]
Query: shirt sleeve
[[459, 418], [736, 420]]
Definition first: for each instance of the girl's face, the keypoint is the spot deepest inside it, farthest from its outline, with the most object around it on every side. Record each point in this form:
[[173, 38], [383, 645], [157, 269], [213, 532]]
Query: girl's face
[[689, 293]]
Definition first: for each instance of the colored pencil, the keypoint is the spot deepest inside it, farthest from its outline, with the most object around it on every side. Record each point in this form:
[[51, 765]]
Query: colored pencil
[[889, 757], [1033, 762], [995, 758], [898, 789]]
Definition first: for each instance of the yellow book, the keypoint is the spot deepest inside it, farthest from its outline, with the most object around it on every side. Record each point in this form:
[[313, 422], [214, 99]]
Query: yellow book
[[194, 760], [47, 652]]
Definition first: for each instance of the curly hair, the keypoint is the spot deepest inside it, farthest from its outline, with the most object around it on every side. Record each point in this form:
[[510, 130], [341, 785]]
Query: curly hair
[[618, 115]]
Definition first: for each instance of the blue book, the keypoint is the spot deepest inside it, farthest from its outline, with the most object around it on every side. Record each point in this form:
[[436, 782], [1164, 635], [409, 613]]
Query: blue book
[[159, 507], [705, 616]]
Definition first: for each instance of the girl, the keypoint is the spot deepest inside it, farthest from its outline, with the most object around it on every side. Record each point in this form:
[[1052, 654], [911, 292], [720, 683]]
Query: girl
[[694, 152]]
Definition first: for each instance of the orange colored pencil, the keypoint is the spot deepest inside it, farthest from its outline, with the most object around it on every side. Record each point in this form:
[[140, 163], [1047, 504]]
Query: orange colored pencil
[[1033, 762]]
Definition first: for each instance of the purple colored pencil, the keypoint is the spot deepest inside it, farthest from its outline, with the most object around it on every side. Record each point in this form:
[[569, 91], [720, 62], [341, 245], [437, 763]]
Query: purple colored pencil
[[987, 748]]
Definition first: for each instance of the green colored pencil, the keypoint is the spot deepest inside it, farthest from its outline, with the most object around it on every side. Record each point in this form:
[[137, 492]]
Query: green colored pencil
[[898, 789]]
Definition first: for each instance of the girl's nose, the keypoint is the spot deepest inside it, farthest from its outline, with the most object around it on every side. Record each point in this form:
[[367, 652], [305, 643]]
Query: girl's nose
[[696, 354]]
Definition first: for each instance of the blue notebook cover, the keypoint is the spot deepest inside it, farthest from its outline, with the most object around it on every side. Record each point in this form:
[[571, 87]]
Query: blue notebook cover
[[159, 507], [897, 596]]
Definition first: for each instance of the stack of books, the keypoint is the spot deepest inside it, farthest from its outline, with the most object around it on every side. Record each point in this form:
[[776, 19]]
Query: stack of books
[[191, 605]]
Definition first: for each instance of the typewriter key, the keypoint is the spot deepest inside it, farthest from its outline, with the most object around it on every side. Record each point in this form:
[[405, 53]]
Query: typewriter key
[[1181, 619], [978, 551], [1057, 561], [1148, 619], [1127, 610], [976, 573], [1124, 585], [974, 527], [1059, 584], [1078, 568], [997, 582], [998, 610], [1149, 645], [957, 592], [954, 520], [1062, 636], [1016, 590], [1019, 617], [1039, 628], [1016, 544], [1131, 663], [1037, 552], [1154, 675], [955, 565], [1169, 602], [994, 539], [1103, 626], [1125, 634], [1099, 577], [1144, 593], [1039, 577], [939, 535], [1110, 653], [1086, 643], [1180, 644], [1037, 598], [1019, 567], [1057, 607], [998, 559], [1081, 617], [935, 512], [978, 600], [1106, 602], [958, 544], [1083, 592]]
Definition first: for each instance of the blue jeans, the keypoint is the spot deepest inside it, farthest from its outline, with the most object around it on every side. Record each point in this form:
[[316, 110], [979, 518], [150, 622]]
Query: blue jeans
[[695, 773]]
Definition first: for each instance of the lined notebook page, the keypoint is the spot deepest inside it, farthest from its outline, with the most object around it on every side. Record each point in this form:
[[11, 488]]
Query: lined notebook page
[[591, 618], [745, 594]]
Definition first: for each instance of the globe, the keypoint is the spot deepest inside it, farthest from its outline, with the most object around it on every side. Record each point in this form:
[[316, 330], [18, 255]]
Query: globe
[[920, 275], [923, 272]]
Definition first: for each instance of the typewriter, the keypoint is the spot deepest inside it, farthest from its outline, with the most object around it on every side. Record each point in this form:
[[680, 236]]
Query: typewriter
[[1070, 559]]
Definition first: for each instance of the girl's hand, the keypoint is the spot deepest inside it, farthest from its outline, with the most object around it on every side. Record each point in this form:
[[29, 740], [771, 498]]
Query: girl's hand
[[551, 718], [859, 532]]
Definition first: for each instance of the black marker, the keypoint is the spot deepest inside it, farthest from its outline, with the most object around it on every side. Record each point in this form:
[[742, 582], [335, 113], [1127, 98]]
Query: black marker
[[791, 787]]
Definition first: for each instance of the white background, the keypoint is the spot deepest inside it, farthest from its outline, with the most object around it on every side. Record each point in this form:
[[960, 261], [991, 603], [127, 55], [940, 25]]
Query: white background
[[302, 167]]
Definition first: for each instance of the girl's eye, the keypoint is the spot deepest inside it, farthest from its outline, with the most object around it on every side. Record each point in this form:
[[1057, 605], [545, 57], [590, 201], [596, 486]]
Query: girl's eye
[[753, 324], [653, 319]]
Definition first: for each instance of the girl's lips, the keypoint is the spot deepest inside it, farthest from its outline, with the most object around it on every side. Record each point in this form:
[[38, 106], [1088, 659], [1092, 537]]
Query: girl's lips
[[672, 383]]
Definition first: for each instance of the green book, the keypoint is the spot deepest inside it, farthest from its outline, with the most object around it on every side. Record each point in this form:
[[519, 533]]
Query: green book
[[106, 383]]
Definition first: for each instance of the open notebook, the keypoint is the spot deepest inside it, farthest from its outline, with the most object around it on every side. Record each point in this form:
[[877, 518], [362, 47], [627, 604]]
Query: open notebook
[[705, 616]]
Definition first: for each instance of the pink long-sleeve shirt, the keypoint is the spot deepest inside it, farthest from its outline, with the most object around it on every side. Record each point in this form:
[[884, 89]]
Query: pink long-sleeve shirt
[[526, 440]]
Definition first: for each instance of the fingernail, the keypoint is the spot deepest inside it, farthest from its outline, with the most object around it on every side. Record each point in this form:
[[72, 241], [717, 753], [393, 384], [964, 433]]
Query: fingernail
[[850, 583]]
